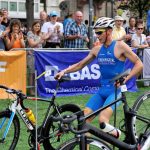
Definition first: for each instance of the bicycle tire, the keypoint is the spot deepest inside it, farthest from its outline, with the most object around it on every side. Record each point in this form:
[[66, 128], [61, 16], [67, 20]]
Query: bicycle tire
[[138, 127], [14, 132], [52, 142], [93, 143]]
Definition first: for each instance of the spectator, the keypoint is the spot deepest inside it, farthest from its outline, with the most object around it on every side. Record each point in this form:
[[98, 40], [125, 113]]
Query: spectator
[[148, 39], [35, 40], [23, 29], [52, 31], [76, 33], [118, 30], [125, 24], [6, 19], [35, 37], [139, 39], [15, 37], [68, 19], [2, 32], [130, 30], [43, 17], [86, 23]]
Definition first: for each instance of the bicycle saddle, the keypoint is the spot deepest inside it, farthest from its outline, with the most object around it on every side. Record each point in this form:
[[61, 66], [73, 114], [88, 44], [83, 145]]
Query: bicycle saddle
[[119, 76]]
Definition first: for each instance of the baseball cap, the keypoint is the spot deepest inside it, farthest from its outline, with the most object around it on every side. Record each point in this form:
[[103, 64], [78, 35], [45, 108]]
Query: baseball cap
[[53, 13], [119, 18]]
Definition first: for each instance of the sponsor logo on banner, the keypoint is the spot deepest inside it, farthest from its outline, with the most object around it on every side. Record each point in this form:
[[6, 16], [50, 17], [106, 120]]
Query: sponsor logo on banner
[[51, 71], [84, 81], [2, 66], [86, 73]]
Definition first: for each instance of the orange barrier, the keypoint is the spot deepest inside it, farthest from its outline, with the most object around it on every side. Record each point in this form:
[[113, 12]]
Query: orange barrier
[[12, 70]]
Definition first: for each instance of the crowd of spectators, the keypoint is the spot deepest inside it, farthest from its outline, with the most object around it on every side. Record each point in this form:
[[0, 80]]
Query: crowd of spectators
[[71, 33], [49, 32]]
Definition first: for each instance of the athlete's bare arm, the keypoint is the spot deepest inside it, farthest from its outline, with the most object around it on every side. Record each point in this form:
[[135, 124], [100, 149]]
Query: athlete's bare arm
[[75, 67], [127, 52]]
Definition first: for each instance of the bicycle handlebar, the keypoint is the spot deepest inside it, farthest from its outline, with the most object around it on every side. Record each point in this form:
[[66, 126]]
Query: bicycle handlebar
[[13, 91]]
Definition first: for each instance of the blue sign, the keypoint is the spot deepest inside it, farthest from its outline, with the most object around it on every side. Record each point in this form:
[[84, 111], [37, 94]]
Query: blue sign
[[85, 81]]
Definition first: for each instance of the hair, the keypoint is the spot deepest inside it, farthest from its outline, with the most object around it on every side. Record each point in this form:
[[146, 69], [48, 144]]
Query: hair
[[34, 23], [1, 13], [132, 18], [14, 22], [139, 22], [86, 22]]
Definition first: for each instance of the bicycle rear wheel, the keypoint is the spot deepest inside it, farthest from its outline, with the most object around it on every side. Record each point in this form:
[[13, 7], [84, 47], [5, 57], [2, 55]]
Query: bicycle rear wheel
[[10, 142], [54, 134], [139, 128], [93, 144]]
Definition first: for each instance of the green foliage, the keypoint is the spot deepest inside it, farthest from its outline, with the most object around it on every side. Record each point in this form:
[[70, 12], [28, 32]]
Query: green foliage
[[139, 6]]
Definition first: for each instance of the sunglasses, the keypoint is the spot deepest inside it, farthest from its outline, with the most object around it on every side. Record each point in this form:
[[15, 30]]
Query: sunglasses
[[140, 28], [99, 32]]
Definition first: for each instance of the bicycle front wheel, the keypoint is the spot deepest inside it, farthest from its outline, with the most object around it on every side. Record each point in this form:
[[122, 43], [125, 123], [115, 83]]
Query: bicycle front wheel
[[54, 135], [140, 126], [92, 143], [10, 142]]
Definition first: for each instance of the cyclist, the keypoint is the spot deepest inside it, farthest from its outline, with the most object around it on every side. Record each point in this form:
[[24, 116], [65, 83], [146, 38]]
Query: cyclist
[[111, 56]]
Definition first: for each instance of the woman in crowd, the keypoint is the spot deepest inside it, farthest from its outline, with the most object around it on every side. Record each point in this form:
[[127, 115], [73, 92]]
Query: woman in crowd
[[15, 37], [139, 39], [34, 40]]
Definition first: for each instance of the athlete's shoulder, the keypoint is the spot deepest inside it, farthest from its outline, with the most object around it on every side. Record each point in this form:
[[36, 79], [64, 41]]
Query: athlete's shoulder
[[95, 50]]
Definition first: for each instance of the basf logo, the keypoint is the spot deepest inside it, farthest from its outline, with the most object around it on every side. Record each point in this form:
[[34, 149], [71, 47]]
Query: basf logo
[[91, 72]]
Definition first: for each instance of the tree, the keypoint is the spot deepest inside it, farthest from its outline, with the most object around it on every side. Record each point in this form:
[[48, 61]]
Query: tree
[[139, 6], [29, 12]]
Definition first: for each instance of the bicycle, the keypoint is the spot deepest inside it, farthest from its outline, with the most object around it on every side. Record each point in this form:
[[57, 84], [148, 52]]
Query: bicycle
[[134, 139], [48, 133]]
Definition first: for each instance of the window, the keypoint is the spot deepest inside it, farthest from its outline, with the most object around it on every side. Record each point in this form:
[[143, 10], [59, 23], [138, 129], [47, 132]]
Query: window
[[4, 4], [54, 2], [22, 7], [13, 6], [36, 7]]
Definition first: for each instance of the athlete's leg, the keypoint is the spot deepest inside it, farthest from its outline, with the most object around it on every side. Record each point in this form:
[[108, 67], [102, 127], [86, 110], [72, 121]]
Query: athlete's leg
[[106, 114], [94, 103]]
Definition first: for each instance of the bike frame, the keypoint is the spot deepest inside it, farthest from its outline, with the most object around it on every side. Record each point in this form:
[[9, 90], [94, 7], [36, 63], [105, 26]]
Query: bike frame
[[16, 106], [128, 114]]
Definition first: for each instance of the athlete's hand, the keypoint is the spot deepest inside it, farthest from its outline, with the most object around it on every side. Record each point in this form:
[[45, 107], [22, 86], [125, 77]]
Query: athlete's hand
[[59, 75]]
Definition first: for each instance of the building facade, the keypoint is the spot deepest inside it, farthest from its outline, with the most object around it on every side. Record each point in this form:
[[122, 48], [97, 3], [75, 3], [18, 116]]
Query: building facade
[[17, 9]]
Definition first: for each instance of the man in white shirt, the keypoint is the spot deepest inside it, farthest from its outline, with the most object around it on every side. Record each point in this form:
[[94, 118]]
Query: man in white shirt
[[52, 31], [118, 30]]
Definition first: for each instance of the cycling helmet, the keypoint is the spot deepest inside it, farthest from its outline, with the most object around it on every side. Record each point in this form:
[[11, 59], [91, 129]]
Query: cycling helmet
[[104, 22]]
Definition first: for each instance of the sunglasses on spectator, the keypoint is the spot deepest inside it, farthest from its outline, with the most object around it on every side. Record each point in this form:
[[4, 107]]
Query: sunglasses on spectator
[[140, 28], [100, 32]]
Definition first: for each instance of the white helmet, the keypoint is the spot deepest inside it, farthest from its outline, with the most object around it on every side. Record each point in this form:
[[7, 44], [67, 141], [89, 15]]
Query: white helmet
[[104, 22]]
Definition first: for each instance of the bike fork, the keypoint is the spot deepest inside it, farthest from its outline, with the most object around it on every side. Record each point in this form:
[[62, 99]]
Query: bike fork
[[83, 142], [8, 125]]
